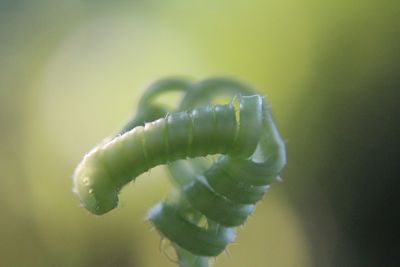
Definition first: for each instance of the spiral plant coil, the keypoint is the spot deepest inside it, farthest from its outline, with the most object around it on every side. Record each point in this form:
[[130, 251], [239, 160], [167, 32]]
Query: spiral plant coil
[[211, 198]]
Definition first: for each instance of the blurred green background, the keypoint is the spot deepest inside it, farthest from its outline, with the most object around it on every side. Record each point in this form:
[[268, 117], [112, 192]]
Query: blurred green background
[[71, 73]]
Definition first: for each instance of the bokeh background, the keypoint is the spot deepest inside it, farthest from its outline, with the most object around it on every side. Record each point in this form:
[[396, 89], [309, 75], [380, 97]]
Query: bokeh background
[[71, 73]]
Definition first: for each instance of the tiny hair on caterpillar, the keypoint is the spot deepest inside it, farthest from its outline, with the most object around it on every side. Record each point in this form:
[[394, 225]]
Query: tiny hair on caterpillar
[[214, 198]]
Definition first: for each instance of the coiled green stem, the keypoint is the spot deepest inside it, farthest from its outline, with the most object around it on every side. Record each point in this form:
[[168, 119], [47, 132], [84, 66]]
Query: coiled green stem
[[213, 198]]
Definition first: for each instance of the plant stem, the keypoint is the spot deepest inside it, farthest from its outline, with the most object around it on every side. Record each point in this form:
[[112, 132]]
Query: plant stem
[[187, 259]]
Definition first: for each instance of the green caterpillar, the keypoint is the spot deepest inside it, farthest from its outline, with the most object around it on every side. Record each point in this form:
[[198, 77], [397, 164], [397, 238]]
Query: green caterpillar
[[223, 194]]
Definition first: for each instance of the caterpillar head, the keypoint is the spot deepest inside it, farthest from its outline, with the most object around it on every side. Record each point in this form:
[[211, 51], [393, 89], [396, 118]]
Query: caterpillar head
[[94, 186]]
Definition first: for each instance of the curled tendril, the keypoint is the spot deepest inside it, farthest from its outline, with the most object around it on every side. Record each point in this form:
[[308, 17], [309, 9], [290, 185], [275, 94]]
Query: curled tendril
[[211, 198]]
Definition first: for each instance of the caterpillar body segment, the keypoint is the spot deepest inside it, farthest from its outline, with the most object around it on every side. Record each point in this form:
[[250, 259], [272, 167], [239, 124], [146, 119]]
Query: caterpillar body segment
[[177, 136], [213, 197]]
